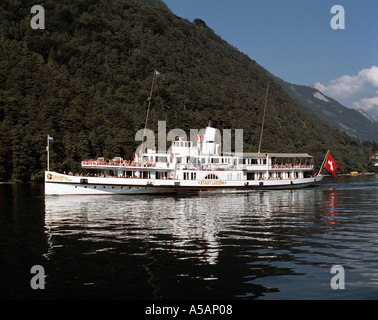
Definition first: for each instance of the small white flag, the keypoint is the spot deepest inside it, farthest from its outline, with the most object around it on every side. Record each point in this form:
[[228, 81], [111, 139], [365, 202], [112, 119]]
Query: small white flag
[[158, 75]]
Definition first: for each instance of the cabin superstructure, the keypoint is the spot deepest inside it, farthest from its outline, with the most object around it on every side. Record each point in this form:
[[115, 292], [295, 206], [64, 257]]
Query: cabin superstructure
[[250, 166], [203, 160]]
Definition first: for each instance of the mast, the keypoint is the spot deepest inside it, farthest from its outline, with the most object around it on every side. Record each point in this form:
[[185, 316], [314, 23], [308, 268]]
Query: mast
[[321, 167], [49, 139], [148, 109], [48, 153], [262, 126]]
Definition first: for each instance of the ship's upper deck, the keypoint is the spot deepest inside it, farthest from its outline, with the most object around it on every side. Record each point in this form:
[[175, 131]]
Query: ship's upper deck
[[204, 154]]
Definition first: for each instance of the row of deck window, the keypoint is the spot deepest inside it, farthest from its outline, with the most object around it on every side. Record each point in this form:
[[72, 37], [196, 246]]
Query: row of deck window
[[190, 175]]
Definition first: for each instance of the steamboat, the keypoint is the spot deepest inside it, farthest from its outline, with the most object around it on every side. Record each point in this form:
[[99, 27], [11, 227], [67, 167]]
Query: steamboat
[[189, 166]]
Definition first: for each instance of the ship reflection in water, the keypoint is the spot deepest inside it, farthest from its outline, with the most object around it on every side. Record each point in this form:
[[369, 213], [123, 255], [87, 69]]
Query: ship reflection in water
[[188, 227]]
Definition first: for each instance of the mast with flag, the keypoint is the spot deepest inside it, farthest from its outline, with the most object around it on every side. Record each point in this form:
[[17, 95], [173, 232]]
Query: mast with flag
[[156, 75], [49, 139]]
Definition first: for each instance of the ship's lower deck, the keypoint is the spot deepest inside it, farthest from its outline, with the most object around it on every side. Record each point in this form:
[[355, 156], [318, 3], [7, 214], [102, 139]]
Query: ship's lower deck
[[59, 184]]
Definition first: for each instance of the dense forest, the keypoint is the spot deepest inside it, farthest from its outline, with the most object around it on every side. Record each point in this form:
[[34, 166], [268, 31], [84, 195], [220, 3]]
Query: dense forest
[[84, 80]]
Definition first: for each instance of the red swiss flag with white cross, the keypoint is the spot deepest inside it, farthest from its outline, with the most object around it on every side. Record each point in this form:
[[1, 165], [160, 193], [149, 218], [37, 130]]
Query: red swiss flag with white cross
[[331, 164]]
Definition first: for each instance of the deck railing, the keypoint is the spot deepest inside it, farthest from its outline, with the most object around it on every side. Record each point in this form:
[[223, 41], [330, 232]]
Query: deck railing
[[190, 166], [288, 167]]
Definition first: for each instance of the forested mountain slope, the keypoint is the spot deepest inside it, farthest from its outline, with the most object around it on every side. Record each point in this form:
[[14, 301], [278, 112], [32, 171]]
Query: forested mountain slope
[[85, 79]]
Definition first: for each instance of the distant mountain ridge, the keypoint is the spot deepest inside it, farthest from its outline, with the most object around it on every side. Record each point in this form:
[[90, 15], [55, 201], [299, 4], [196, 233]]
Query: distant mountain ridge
[[365, 114], [355, 123], [371, 111]]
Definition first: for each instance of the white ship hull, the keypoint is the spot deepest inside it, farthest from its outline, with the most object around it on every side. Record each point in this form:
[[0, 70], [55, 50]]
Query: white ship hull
[[60, 184]]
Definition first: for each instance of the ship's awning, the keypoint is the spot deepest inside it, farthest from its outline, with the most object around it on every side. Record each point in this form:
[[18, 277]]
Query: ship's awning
[[271, 155], [289, 155]]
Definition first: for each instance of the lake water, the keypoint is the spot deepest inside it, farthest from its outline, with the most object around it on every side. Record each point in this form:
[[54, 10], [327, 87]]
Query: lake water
[[258, 245]]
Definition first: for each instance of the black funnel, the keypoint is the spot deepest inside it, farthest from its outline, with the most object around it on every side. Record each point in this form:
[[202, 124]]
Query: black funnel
[[212, 124]]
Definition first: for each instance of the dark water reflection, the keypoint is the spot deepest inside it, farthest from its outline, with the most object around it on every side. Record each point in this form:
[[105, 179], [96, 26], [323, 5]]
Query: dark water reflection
[[261, 245]]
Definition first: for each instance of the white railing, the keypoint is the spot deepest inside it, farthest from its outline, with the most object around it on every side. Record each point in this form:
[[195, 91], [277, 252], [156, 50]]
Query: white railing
[[190, 166], [289, 167]]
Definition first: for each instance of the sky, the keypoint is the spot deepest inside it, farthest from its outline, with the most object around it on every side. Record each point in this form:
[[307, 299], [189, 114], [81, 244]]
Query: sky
[[294, 40]]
